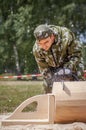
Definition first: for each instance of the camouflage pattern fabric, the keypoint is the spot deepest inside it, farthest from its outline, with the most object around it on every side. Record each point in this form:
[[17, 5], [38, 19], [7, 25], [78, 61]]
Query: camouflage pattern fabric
[[66, 51]]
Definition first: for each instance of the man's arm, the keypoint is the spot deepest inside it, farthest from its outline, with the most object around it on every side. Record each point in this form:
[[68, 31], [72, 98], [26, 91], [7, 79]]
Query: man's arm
[[42, 65], [75, 57], [74, 49]]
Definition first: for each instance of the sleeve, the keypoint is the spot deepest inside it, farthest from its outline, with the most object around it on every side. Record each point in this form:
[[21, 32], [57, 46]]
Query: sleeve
[[76, 63], [74, 51], [42, 65]]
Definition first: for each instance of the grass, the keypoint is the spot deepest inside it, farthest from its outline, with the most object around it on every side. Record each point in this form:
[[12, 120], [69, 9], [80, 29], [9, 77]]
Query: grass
[[13, 94]]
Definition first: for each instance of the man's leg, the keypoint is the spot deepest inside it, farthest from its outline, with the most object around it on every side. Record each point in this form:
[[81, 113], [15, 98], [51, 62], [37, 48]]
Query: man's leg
[[47, 88]]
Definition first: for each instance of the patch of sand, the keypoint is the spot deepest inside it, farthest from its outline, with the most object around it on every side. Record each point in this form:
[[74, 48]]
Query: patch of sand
[[72, 126]]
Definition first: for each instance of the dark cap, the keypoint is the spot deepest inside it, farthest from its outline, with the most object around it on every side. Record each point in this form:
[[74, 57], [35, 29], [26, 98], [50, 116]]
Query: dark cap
[[42, 32]]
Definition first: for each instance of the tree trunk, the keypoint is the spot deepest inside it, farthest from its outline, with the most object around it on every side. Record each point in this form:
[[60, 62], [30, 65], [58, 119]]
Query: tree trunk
[[16, 59]]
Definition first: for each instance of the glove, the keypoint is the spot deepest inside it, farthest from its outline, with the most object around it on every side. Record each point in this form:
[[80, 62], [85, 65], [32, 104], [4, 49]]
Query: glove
[[62, 74], [63, 71], [65, 74]]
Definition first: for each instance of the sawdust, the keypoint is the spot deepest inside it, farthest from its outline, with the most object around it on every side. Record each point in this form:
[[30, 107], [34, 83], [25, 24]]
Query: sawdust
[[72, 126]]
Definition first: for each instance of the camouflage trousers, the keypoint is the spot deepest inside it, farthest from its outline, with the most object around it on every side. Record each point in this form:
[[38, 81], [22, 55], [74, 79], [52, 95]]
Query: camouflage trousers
[[47, 87]]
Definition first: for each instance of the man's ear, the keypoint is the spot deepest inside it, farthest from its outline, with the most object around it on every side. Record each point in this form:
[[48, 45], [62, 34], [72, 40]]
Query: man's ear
[[52, 37]]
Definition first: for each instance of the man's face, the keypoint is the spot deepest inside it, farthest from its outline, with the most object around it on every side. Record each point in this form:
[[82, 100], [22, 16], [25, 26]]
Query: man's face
[[46, 43]]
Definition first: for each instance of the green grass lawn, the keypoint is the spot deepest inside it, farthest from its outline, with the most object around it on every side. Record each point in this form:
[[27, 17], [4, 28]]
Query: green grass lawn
[[12, 95]]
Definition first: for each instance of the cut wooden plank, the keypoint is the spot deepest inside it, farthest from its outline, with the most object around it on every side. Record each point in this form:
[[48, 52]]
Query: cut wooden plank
[[70, 101], [44, 113], [66, 103]]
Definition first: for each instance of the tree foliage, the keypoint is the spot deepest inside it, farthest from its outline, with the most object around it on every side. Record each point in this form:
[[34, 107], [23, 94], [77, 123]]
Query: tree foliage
[[18, 18]]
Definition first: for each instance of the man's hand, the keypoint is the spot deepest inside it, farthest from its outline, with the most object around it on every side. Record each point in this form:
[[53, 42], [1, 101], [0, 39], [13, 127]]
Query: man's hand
[[63, 71], [58, 75], [61, 74]]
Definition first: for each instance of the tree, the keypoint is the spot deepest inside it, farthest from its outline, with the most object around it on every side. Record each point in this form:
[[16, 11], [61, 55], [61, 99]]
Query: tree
[[18, 19]]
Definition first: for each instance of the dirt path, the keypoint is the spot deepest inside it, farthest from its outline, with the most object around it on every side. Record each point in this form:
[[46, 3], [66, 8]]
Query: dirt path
[[72, 126]]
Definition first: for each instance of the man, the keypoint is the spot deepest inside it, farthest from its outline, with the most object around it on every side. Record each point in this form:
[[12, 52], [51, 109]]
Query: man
[[56, 48]]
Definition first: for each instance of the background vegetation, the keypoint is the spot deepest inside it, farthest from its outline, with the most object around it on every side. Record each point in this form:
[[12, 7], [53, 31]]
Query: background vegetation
[[18, 18], [12, 94]]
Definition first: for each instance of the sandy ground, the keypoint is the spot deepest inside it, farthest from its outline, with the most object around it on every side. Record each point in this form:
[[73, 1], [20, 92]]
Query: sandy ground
[[72, 126]]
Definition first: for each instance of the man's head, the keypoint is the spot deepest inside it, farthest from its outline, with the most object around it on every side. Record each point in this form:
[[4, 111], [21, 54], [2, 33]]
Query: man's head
[[44, 36]]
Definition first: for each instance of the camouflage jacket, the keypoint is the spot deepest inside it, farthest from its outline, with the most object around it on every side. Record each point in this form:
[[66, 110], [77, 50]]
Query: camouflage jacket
[[66, 51]]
